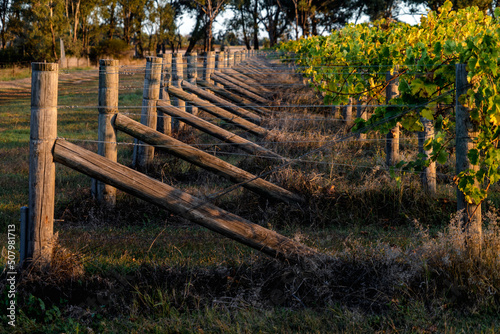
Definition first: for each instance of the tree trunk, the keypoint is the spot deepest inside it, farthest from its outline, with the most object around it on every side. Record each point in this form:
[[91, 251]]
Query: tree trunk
[[246, 40], [209, 34], [52, 32], [196, 33], [255, 26], [75, 26], [295, 4]]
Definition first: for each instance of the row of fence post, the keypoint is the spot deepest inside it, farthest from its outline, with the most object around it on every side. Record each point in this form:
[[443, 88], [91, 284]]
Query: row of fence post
[[37, 238]]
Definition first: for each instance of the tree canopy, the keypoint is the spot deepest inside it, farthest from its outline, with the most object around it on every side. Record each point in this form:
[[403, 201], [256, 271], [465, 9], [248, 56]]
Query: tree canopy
[[31, 30]]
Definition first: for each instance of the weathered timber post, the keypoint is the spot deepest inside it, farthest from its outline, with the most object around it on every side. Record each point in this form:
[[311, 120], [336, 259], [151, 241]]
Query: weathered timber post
[[150, 97], [178, 202], [229, 59], [23, 242], [466, 131], [106, 133], [348, 113], [177, 77], [164, 121], [192, 76], [234, 97], [236, 79], [219, 112], [244, 55], [361, 113], [428, 175], [220, 64], [220, 60], [237, 58], [392, 138], [218, 132], [42, 171], [211, 64], [205, 160], [220, 78], [227, 105], [208, 66]]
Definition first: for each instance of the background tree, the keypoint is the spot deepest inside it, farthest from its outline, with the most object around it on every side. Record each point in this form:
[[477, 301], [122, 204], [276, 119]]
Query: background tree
[[378, 9], [245, 20], [274, 18], [199, 29], [41, 24], [162, 18], [211, 9], [4, 14], [311, 15]]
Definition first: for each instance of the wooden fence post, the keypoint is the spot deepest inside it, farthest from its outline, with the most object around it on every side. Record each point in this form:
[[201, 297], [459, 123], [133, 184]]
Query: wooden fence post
[[361, 113], [208, 66], [23, 242], [177, 77], [192, 76], [229, 59], [392, 138], [149, 116], [428, 175], [348, 113], [219, 60], [237, 58], [106, 134], [42, 172], [164, 121], [466, 131]]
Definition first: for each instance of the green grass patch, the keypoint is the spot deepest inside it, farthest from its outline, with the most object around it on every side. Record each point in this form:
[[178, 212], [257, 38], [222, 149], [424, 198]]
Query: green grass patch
[[14, 73]]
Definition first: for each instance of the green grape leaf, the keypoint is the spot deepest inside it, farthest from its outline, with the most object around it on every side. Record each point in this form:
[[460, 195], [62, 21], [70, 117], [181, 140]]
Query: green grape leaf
[[442, 157], [428, 114], [473, 156]]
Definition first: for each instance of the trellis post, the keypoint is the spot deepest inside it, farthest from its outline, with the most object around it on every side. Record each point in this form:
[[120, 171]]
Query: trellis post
[[219, 60], [192, 76], [208, 66], [348, 112], [164, 121], [220, 64], [466, 131], [106, 134], [177, 77], [428, 175], [392, 138], [43, 132], [149, 116], [229, 59], [237, 58], [361, 113]]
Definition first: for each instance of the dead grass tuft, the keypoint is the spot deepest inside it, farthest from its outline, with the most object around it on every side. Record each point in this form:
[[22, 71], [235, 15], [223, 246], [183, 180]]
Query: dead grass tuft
[[454, 273]]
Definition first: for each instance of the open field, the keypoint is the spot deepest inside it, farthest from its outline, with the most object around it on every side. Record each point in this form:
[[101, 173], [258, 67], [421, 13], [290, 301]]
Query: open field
[[396, 261]]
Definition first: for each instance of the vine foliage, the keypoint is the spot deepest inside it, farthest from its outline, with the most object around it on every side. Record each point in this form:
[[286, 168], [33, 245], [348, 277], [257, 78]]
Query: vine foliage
[[354, 62]]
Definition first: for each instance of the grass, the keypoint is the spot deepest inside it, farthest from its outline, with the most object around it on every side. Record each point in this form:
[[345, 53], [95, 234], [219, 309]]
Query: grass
[[396, 260], [14, 73]]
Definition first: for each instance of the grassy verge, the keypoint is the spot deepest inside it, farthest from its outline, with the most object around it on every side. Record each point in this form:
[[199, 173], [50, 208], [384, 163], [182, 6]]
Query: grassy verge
[[14, 73]]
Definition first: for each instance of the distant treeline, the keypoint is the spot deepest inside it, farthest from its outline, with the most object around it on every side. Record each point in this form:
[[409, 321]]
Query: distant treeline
[[31, 30]]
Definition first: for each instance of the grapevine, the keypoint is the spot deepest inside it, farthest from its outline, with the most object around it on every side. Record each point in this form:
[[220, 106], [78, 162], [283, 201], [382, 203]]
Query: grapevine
[[353, 62]]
